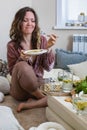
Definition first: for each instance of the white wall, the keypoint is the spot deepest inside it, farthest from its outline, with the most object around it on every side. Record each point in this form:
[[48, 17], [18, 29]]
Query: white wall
[[8, 9]]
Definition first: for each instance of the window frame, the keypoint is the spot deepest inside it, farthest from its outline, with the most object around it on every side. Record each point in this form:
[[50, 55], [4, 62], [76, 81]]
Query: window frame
[[61, 16]]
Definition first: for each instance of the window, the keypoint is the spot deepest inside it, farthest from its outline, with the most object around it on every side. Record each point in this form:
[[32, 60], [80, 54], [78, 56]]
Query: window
[[68, 13]]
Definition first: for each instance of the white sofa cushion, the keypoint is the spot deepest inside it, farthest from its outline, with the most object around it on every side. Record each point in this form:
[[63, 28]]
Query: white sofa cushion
[[4, 85], [79, 69], [8, 120], [1, 97]]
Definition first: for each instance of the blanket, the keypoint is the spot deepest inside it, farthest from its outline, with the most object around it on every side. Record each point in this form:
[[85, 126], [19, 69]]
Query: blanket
[[8, 120]]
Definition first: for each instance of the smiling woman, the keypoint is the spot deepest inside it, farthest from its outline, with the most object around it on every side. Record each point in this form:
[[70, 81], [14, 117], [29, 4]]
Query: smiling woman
[[27, 68]]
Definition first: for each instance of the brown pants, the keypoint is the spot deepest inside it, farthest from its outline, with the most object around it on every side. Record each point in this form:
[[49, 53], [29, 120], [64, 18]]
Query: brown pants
[[24, 81]]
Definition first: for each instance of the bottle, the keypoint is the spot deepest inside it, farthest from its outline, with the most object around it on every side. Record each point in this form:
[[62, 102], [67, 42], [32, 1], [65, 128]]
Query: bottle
[[81, 17]]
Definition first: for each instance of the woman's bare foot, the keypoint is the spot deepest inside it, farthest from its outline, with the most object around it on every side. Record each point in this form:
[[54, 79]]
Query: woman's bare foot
[[32, 104], [20, 107], [23, 105]]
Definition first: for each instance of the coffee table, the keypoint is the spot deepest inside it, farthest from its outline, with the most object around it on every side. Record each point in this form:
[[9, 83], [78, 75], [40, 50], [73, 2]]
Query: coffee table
[[60, 111]]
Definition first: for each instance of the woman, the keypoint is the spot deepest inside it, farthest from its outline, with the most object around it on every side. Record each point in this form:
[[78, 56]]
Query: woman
[[27, 70]]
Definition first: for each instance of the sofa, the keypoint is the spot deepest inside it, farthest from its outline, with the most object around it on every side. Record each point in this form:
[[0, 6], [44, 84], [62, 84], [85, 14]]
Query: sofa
[[71, 61]]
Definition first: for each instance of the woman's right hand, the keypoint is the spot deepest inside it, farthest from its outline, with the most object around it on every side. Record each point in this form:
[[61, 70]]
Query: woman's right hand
[[51, 41]]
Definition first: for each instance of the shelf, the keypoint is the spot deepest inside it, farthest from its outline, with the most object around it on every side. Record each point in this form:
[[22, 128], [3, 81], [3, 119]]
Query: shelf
[[69, 28]]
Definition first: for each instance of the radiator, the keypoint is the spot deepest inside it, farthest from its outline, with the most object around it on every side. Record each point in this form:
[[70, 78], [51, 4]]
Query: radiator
[[80, 43]]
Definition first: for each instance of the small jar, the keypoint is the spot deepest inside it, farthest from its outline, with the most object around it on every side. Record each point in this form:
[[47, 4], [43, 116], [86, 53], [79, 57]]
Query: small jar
[[81, 17]]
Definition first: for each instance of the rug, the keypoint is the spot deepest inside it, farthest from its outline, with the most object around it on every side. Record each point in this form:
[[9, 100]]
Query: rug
[[26, 118]]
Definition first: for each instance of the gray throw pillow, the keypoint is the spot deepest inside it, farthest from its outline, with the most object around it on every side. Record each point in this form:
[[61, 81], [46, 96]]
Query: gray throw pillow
[[64, 58]]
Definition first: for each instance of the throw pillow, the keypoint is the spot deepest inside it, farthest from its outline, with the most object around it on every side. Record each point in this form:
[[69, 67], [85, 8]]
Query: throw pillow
[[79, 69], [4, 85], [1, 97], [64, 58], [3, 68], [9, 78], [7, 119]]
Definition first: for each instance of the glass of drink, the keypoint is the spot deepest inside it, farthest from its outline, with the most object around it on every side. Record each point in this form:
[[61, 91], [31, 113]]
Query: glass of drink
[[60, 76], [67, 85], [80, 104]]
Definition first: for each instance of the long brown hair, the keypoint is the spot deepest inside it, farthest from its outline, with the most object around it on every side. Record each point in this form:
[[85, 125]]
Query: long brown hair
[[15, 31]]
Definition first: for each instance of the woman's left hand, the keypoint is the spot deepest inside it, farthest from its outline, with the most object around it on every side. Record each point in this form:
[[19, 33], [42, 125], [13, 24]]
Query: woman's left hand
[[51, 40]]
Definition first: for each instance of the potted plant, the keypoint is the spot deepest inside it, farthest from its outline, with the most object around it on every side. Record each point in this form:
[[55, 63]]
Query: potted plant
[[81, 86], [80, 101]]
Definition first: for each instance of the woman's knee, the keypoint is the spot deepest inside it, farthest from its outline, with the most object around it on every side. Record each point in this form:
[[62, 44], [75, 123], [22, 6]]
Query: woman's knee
[[23, 66], [24, 69]]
